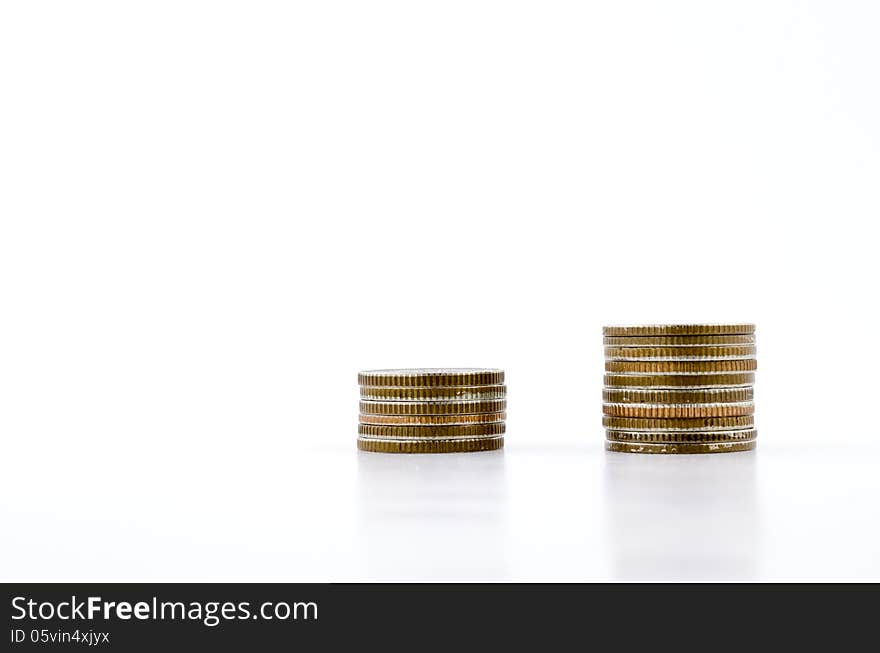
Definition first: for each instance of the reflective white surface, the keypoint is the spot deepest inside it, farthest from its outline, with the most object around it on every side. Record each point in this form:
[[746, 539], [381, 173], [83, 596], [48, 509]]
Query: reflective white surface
[[529, 512]]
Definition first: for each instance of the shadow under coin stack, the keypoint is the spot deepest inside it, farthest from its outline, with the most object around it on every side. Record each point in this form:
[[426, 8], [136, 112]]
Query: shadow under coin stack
[[432, 410], [679, 388]]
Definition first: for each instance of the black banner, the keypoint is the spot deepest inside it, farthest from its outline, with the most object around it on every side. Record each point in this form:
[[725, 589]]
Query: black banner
[[149, 617]]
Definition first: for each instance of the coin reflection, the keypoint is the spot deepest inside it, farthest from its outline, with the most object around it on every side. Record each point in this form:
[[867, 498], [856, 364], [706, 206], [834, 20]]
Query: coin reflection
[[682, 517], [424, 517]]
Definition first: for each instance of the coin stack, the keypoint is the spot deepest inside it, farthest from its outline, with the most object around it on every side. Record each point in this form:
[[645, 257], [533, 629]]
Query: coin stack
[[679, 388], [432, 410]]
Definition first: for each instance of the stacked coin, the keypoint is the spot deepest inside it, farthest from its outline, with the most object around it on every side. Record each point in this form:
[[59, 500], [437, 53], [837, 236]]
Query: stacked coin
[[679, 388], [432, 410]]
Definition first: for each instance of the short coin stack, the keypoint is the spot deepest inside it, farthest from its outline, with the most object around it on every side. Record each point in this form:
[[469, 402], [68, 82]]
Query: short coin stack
[[432, 410], [679, 388]]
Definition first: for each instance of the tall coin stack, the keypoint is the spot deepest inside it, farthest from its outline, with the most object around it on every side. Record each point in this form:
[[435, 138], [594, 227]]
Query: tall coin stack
[[679, 388], [432, 410]]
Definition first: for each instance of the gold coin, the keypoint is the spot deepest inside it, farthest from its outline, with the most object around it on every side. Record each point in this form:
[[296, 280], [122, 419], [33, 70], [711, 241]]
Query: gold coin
[[679, 330], [678, 341], [433, 408], [430, 446], [422, 420], [680, 367], [677, 448], [681, 438], [679, 353], [432, 377], [705, 396], [679, 410], [678, 423], [428, 432], [461, 393], [671, 381]]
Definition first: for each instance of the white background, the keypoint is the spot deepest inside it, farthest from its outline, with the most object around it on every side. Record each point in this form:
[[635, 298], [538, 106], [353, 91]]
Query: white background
[[213, 214]]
